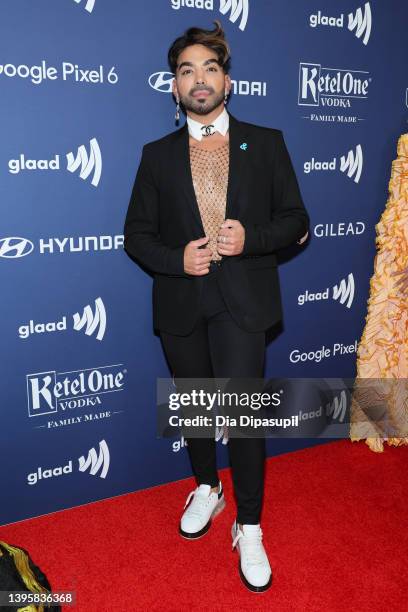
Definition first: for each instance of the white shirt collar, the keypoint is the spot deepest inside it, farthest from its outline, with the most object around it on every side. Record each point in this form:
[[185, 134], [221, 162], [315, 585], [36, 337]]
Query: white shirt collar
[[221, 124]]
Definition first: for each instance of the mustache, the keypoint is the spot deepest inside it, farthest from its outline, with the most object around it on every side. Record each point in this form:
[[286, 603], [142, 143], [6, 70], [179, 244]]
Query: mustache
[[192, 92]]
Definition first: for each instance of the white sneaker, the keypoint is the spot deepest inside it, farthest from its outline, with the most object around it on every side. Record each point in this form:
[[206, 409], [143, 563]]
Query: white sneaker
[[206, 504], [253, 563]]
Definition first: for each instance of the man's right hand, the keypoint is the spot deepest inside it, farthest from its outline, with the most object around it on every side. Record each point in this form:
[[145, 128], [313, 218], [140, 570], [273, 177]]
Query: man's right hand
[[196, 260]]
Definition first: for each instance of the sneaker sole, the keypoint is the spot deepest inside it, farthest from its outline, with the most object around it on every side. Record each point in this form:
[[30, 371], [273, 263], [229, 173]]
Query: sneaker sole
[[198, 534], [252, 587]]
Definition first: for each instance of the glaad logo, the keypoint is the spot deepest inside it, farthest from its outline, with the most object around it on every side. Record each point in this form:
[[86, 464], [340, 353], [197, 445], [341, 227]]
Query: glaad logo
[[13, 247], [352, 165], [179, 444], [358, 21], [90, 163], [94, 322], [161, 81], [361, 24], [344, 292], [236, 8], [93, 464], [338, 407], [89, 4], [49, 391], [334, 87], [340, 229]]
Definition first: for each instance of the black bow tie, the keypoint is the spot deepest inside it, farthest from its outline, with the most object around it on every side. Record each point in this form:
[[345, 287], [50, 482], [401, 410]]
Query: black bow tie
[[208, 130]]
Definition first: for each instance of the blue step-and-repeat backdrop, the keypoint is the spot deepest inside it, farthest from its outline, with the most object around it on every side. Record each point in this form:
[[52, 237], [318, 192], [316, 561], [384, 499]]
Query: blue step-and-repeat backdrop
[[84, 84]]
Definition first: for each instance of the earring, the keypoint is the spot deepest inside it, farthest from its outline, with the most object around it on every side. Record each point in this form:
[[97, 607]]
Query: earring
[[177, 115]]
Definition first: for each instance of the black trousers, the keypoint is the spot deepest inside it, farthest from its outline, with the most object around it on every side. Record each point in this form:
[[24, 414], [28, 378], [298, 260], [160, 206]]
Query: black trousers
[[218, 347]]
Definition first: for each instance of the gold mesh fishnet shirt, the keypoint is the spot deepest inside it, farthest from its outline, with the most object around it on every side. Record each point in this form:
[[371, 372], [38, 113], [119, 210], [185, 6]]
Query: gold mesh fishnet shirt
[[209, 170]]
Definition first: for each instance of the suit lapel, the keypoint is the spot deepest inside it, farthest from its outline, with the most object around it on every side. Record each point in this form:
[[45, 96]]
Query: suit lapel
[[237, 157], [183, 173]]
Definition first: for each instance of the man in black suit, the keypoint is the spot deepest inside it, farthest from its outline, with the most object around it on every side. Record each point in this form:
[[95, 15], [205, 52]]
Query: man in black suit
[[211, 205]]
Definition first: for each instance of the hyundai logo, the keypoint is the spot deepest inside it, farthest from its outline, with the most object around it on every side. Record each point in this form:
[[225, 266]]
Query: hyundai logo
[[161, 81], [14, 246]]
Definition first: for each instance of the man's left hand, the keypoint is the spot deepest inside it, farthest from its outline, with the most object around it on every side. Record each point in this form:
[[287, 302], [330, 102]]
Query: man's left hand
[[231, 238]]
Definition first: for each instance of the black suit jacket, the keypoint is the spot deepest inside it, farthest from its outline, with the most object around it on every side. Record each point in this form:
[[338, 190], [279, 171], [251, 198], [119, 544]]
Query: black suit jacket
[[163, 216]]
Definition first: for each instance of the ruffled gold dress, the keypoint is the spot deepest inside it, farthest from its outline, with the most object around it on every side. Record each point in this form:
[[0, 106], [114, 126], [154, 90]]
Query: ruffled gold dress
[[382, 354]]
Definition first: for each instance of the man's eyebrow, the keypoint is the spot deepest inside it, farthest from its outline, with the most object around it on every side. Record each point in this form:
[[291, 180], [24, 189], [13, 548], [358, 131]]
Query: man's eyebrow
[[209, 61]]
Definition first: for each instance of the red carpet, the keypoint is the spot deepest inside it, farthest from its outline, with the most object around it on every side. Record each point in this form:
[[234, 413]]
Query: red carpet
[[335, 527]]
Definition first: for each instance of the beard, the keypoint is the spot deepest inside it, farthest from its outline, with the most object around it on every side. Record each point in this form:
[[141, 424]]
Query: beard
[[201, 106]]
